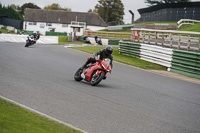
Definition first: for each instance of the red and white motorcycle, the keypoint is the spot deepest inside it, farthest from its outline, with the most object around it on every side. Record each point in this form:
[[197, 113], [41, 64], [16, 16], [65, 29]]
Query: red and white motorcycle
[[94, 73]]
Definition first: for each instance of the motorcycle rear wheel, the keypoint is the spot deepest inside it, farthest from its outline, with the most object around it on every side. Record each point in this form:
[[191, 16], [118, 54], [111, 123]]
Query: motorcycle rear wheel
[[96, 79], [77, 75]]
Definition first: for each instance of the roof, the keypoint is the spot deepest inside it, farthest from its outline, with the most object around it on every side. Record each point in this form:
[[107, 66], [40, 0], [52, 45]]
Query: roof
[[64, 17], [170, 5]]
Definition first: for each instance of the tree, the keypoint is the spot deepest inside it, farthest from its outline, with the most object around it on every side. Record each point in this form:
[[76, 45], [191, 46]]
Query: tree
[[28, 5], [16, 7], [156, 2], [55, 6], [93, 11], [9, 12], [111, 10]]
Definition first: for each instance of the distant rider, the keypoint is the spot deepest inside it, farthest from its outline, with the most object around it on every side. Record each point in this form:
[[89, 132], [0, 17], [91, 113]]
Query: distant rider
[[36, 36], [98, 40]]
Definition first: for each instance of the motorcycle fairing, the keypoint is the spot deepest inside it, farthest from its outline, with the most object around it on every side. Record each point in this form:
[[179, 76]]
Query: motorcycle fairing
[[91, 69]]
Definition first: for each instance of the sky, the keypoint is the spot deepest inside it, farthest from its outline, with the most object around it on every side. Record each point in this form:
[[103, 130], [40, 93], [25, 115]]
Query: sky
[[85, 5]]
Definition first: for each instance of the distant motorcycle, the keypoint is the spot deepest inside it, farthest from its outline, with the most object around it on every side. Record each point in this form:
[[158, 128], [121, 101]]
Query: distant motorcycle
[[30, 41], [98, 40], [94, 73]]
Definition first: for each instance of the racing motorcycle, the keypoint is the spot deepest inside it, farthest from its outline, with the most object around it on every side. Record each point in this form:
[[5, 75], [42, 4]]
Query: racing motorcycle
[[94, 72], [98, 40], [30, 41]]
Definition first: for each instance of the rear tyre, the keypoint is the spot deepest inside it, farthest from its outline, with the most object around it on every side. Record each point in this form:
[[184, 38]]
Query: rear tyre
[[96, 79], [77, 75]]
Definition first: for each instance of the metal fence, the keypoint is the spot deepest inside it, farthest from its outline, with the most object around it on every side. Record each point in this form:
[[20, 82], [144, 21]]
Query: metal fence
[[116, 35], [18, 24], [186, 22], [169, 38]]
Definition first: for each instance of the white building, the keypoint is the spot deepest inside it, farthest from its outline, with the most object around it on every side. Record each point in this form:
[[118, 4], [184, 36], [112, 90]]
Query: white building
[[61, 21]]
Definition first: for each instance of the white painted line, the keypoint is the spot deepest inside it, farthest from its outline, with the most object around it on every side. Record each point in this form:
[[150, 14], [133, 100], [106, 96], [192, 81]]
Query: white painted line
[[42, 114]]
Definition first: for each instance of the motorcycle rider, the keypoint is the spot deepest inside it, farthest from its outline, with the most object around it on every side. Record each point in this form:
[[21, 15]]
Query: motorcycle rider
[[98, 40], [36, 36], [104, 53]]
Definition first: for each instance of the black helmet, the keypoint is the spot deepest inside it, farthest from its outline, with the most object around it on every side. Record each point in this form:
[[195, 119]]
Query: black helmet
[[109, 49]]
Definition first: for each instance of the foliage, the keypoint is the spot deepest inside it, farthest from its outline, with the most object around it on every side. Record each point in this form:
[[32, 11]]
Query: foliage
[[28, 5], [153, 2], [93, 11], [110, 10], [55, 6], [9, 12], [16, 7]]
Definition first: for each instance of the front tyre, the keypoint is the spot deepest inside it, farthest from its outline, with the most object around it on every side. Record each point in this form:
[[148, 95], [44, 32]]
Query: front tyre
[[96, 79], [27, 44], [77, 75]]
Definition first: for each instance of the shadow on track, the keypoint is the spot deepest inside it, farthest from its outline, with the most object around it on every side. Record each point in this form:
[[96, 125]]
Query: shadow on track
[[100, 85]]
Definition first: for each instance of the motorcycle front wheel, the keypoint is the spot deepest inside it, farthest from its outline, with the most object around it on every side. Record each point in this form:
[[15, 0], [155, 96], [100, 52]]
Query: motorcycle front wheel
[[96, 79], [27, 44], [77, 75]]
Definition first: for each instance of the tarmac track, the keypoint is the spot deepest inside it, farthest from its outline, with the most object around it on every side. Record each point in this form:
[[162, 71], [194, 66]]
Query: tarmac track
[[131, 100]]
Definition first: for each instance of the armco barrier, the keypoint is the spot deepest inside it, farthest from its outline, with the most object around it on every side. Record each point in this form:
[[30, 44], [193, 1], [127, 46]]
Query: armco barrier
[[150, 53], [178, 61], [129, 48], [22, 38], [156, 54], [186, 63]]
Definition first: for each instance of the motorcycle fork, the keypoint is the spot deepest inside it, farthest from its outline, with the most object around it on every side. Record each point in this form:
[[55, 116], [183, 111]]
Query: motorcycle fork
[[98, 72]]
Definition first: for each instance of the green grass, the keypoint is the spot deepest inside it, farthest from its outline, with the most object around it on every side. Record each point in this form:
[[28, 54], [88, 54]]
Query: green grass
[[62, 39], [193, 28], [5, 31], [123, 58], [160, 22], [14, 119]]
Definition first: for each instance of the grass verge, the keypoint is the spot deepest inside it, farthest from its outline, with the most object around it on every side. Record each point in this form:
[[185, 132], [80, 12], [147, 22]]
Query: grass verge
[[14, 119], [193, 28], [124, 58], [5, 31], [64, 40]]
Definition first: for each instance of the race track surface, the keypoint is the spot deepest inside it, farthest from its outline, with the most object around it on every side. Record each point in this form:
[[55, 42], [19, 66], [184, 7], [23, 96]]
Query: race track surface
[[131, 100]]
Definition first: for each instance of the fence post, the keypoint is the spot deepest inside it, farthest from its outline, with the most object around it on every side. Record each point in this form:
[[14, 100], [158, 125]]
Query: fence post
[[156, 38], [162, 39], [134, 35], [143, 37], [171, 39], [179, 41], [199, 43], [138, 32], [188, 43]]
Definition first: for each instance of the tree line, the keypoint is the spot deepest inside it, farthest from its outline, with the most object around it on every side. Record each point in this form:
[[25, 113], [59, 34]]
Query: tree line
[[111, 11]]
